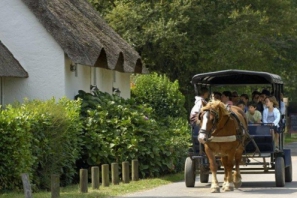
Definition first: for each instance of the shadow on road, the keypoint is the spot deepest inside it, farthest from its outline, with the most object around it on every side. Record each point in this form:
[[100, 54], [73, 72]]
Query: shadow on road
[[293, 147], [262, 187], [268, 188], [166, 197]]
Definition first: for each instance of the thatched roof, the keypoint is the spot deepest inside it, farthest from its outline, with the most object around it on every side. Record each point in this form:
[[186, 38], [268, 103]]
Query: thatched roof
[[84, 36], [9, 66]]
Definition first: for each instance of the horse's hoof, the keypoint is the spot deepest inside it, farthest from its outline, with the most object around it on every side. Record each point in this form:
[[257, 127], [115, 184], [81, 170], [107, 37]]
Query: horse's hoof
[[215, 190], [228, 188], [238, 185]]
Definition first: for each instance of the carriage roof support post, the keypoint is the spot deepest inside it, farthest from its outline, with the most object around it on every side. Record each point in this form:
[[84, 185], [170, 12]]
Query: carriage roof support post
[[196, 89]]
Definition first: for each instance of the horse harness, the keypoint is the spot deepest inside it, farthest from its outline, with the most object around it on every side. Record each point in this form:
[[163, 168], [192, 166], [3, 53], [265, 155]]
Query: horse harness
[[242, 134]]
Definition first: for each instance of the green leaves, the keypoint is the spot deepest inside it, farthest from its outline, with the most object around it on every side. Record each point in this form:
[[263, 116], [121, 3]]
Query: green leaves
[[119, 130], [160, 93], [183, 38], [39, 137]]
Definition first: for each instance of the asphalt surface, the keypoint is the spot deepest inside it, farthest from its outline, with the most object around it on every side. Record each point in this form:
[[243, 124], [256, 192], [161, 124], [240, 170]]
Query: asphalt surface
[[254, 185]]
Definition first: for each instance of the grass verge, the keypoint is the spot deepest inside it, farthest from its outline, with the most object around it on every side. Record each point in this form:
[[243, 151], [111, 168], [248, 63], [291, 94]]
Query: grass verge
[[290, 139], [113, 190]]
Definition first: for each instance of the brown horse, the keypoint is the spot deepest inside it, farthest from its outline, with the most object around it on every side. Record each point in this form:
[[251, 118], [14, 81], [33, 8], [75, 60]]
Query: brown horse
[[223, 132]]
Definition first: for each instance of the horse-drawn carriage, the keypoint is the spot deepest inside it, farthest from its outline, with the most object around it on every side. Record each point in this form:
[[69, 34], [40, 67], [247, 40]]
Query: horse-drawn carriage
[[258, 154]]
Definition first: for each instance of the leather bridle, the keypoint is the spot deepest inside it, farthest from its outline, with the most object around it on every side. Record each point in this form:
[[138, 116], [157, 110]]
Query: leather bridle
[[214, 122]]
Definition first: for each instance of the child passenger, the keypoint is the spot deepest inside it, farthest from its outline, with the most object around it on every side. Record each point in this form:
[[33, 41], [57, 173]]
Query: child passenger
[[253, 115], [272, 115]]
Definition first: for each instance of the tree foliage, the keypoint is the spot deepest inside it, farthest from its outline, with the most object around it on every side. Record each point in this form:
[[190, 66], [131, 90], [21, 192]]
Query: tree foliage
[[180, 38]]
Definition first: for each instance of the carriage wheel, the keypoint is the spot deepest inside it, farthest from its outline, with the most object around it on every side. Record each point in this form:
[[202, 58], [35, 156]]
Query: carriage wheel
[[190, 172], [204, 176], [279, 172], [288, 173]]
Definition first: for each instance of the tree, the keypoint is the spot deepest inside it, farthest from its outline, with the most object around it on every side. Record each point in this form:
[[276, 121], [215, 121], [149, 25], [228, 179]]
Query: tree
[[180, 38]]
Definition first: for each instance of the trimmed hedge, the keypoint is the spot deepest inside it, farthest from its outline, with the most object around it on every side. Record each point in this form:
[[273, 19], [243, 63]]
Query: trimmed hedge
[[40, 138], [15, 146]]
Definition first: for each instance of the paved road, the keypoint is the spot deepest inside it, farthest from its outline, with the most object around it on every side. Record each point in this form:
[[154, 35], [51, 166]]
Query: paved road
[[254, 185]]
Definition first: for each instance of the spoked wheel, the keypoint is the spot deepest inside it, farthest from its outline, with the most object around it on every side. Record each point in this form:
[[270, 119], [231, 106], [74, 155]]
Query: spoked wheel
[[190, 174], [288, 173], [279, 172]]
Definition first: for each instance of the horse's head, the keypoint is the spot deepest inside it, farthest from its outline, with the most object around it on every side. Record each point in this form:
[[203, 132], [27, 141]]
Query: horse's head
[[213, 116]]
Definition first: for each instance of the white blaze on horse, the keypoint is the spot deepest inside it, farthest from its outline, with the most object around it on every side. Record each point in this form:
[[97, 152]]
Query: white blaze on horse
[[223, 131]]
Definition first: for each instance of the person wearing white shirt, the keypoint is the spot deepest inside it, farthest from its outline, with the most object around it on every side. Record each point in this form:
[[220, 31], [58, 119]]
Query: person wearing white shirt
[[272, 116], [204, 94]]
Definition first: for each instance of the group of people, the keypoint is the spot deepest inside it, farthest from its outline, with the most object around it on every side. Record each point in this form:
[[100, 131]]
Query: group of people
[[262, 108]]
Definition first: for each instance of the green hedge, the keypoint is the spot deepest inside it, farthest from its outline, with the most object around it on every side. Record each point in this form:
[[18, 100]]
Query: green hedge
[[159, 93], [44, 137], [40, 138], [15, 146], [117, 130]]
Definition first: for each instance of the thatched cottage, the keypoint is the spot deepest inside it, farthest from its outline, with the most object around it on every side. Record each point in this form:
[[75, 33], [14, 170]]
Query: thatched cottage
[[53, 48]]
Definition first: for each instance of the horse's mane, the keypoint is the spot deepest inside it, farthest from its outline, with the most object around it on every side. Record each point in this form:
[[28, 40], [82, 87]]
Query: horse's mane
[[218, 106]]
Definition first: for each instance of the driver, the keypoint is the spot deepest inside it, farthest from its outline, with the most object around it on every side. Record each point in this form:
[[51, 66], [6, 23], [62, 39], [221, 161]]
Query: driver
[[204, 94]]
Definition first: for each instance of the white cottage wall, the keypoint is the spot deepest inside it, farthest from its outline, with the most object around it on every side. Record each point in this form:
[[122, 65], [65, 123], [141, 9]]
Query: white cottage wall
[[84, 77], [123, 83], [76, 80], [104, 80], [37, 52], [110, 78]]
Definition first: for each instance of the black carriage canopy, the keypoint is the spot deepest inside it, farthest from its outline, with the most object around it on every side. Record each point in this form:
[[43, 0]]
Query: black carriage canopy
[[236, 77]]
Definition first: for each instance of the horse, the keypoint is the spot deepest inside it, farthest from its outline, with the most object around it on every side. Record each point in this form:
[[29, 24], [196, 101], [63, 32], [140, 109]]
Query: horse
[[223, 132]]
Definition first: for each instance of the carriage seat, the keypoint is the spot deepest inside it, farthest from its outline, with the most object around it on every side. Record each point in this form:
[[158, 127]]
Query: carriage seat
[[263, 138]]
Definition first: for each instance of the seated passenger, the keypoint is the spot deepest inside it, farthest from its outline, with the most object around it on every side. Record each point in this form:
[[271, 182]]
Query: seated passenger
[[204, 93], [226, 98], [241, 105], [234, 97], [217, 96], [271, 115], [253, 115], [256, 96], [261, 105], [245, 99]]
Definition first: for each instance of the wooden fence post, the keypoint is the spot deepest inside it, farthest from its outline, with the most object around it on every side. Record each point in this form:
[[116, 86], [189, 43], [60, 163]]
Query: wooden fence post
[[26, 185], [105, 175], [55, 186], [115, 173], [125, 172], [83, 180], [95, 177], [135, 175]]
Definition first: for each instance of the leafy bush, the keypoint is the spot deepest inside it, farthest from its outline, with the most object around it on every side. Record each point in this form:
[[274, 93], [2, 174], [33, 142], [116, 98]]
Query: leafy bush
[[117, 130], [15, 146], [167, 101], [56, 130], [160, 93], [40, 137]]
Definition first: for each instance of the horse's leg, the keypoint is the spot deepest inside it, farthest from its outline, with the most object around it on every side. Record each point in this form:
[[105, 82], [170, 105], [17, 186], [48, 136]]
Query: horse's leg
[[229, 166], [236, 175], [215, 188], [224, 161]]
